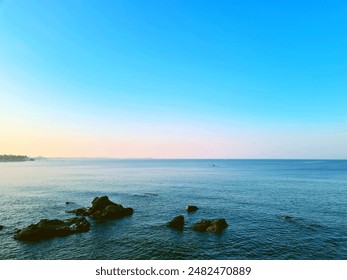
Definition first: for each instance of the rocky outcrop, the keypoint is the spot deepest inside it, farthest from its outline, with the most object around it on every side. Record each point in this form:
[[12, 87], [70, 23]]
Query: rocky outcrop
[[52, 228], [217, 225], [191, 208], [103, 208], [177, 222]]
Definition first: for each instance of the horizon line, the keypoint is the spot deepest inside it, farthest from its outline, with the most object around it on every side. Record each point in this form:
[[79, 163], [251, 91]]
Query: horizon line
[[153, 158]]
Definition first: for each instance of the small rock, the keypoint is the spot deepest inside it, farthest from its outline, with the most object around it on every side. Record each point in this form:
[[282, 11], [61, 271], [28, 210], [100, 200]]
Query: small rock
[[177, 222], [191, 208], [52, 228], [69, 202], [210, 225], [217, 225], [1, 227], [287, 217]]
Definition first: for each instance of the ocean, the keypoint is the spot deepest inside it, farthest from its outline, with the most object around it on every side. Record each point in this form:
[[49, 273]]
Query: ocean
[[251, 195]]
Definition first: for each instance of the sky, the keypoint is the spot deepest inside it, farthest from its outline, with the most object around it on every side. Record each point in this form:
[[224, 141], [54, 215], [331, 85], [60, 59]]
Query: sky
[[173, 79]]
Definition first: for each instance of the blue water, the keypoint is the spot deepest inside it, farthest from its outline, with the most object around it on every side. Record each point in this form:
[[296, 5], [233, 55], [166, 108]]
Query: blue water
[[251, 195]]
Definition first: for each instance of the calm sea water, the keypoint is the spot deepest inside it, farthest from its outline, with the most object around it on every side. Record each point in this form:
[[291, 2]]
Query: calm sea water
[[251, 195]]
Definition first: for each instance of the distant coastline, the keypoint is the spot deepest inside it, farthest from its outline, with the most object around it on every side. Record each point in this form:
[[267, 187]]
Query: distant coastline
[[14, 158]]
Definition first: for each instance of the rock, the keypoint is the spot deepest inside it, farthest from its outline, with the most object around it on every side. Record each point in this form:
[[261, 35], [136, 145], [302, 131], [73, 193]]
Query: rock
[[100, 203], [69, 202], [52, 228], [202, 225], [191, 208], [287, 217], [210, 225], [177, 222], [81, 211], [1, 227], [103, 208], [217, 225]]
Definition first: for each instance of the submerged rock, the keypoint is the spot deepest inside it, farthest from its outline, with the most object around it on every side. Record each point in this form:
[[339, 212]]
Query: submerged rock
[[177, 222], [191, 208], [1, 227], [103, 208], [286, 217], [217, 225], [52, 228]]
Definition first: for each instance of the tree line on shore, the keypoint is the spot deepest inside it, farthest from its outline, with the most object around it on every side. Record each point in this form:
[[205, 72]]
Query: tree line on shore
[[8, 158]]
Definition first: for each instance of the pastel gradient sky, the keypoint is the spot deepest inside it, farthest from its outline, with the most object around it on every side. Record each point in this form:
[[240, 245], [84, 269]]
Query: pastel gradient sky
[[173, 79]]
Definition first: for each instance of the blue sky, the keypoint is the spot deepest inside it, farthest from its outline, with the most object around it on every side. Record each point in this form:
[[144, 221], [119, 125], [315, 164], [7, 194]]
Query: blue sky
[[177, 79]]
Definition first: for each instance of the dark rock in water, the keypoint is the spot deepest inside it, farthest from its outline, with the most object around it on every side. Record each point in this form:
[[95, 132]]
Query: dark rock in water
[[177, 222], [191, 208], [202, 225], [1, 227], [210, 225], [52, 228], [103, 208], [287, 217], [217, 225], [69, 202]]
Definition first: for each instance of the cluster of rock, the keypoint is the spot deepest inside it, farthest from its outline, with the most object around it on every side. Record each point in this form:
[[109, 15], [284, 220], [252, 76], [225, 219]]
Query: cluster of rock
[[52, 228], [215, 226], [103, 208]]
